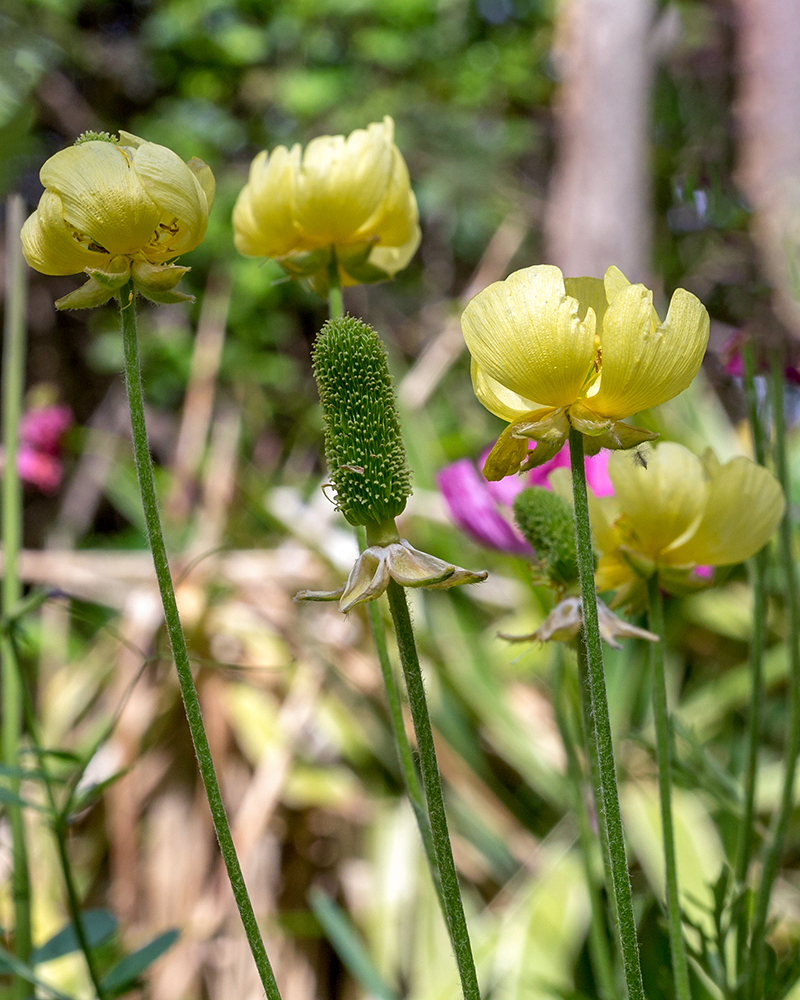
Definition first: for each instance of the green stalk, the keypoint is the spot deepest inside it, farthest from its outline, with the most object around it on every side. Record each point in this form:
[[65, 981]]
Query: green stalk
[[758, 575], [432, 785], [144, 472], [599, 952], [13, 388], [608, 811], [335, 304], [664, 750], [780, 825]]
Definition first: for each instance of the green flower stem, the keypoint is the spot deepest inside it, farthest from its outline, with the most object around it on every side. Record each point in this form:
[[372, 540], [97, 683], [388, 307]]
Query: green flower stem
[[758, 575], [772, 859], [664, 750], [402, 745], [608, 811], [599, 952], [13, 388], [335, 304], [144, 472], [432, 785]]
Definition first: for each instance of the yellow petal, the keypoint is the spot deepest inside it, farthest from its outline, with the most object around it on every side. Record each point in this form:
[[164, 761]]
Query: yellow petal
[[395, 218], [393, 259], [177, 192], [645, 364], [263, 217], [744, 507], [102, 196], [497, 399], [343, 183], [49, 244], [591, 294], [205, 178], [665, 500], [525, 333]]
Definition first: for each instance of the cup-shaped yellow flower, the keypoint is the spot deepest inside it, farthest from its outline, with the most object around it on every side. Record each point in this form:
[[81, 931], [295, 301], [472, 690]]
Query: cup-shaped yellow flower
[[118, 210], [549, 353], [345, 196], [673, 511]]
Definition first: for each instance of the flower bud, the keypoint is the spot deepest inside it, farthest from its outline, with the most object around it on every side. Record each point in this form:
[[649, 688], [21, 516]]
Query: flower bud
[[363, 443]]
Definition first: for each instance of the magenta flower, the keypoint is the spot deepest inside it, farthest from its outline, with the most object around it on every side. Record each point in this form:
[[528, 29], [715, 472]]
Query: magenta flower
[[41, 430], [483, 509]]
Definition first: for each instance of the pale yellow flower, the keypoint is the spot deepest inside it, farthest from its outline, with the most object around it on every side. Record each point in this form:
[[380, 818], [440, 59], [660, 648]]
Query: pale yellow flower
[[549, 353], [349, 196], [673, 511], [118, 210]]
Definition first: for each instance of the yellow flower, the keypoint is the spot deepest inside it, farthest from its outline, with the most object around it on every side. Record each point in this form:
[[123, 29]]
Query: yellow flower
[[351, 197], [549, 353], [673, 511], [118, 210]]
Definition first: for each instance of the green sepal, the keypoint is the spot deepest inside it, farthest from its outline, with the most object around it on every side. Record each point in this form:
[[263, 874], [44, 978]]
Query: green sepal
[[114, 276], [157, 277], [89, 295]]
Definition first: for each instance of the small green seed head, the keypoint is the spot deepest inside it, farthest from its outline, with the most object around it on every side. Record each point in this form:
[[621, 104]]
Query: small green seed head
[[363, 443], [95, 137], [547, 522]]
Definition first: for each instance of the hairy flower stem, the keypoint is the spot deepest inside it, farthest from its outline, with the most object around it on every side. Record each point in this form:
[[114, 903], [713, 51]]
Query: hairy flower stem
[[772, 858], [335, 303], [664, 751], [758, 576], [147, 488], [432, 785], [13, 387], [608, 811], [599, 952]]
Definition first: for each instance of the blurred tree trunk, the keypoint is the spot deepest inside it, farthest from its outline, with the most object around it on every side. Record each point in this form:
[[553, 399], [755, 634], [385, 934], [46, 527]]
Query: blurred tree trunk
[[599, 212], [768, 111]]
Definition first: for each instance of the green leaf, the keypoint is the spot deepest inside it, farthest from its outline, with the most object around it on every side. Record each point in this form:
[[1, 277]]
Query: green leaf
[[12, 799], [122, 975], [8, 961], [98, 926], [348, 945]]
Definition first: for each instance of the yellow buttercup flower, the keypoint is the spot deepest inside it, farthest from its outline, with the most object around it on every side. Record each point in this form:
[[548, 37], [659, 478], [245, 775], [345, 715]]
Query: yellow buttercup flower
[[118, 210], [351, 197], [673, 511], [549, 353]]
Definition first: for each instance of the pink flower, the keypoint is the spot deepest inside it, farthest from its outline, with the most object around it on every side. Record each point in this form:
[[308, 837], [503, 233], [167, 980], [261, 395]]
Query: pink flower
[[482, 508], [39, 454]]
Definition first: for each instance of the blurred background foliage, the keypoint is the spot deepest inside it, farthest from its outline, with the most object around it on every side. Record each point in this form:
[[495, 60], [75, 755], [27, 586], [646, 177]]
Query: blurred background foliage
[[471, 85]]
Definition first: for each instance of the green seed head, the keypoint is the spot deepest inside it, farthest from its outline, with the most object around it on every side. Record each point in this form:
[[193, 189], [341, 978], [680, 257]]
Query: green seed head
[[547, 522], [363, 444], [95, 137]]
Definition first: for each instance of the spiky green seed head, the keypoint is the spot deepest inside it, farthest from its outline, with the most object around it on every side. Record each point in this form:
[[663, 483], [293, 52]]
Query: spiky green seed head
[[95, 137], [363, 443], [546, 520]]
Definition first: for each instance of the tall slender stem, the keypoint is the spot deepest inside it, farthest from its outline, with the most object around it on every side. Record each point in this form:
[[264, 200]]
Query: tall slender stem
[[599, 952], [608, 810], [758, 575], [13, 388], [144, 472], [664, 750], [335, 303], [432, 785], [780, 825]]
